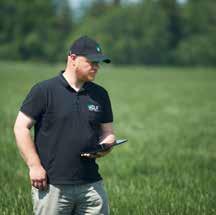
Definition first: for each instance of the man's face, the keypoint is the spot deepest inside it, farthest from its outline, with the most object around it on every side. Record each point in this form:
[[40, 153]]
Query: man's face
[[85, 69]]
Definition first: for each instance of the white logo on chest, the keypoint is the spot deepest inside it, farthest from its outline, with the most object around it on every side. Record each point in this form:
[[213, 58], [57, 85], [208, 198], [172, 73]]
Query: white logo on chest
[[94, 108]]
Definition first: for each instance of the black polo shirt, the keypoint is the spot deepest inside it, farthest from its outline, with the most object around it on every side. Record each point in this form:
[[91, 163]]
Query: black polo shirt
[[67, 123]]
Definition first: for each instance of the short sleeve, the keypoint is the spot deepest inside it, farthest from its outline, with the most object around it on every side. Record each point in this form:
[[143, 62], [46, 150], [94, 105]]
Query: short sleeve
[[34, 103], [107, 115]]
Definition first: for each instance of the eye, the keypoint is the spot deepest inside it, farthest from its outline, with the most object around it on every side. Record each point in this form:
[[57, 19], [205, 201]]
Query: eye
[[95, 63], [88, 61]]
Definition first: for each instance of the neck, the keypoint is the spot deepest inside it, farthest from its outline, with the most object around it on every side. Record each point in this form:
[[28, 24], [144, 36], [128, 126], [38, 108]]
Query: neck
[[71, 78]]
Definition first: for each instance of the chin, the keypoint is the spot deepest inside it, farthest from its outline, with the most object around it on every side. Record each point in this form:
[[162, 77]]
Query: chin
[[91, 78]]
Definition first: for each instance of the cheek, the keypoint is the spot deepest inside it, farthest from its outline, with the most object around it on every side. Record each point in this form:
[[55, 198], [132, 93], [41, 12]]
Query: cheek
[[84, 68], [87, 67], [79, 73], [82, 73]]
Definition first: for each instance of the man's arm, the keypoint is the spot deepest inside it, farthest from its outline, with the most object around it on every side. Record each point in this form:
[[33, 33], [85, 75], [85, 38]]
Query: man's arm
[[28, 152], [107, 136], [107, 133]]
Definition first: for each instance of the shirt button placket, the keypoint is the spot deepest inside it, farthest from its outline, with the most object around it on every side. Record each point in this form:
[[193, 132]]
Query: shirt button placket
[[77, 103]]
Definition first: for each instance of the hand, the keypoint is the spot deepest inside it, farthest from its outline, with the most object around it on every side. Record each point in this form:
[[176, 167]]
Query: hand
[[38, 177], [98, 154]]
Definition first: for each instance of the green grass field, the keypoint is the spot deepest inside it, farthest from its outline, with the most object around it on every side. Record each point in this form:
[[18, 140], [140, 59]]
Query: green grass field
[[169, 116]]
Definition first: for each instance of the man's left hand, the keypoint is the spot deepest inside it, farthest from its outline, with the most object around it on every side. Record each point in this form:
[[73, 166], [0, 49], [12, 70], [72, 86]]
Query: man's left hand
[[97, 155]]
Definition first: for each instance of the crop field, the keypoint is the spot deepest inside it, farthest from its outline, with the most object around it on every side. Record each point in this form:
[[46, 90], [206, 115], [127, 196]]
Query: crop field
[[168, 166]]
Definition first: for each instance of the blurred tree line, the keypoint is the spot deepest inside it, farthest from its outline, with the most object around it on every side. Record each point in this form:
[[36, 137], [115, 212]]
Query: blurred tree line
[[152, 32]]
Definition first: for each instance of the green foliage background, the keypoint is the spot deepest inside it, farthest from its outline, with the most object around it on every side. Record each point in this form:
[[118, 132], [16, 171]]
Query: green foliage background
[[151, 32]]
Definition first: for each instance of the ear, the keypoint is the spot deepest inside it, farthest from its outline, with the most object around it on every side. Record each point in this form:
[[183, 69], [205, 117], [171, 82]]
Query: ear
[[73, 56]]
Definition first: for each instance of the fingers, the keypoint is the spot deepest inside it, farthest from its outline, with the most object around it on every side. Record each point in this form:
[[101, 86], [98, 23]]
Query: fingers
[[39, 184], [108, 150], [88, 155], [85, 155], [44, 184], [38, 177]]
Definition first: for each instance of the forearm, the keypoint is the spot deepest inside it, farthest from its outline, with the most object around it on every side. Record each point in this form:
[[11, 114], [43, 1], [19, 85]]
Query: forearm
[[107, 133], [26, 147]]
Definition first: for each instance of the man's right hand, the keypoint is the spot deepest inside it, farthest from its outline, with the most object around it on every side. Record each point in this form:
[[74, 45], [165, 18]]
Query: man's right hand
[[38, 177]]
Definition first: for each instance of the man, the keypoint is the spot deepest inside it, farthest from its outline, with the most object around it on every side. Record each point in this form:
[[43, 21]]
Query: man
[[70, 114]]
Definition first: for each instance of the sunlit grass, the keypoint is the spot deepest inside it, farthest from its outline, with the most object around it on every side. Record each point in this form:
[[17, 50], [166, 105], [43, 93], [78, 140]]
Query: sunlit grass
[[167, 114]]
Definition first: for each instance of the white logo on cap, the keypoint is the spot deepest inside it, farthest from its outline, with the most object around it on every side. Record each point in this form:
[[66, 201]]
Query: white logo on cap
[[98, 49]]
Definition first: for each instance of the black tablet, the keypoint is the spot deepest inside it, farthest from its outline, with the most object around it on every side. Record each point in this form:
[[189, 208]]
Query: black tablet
[[104, 147]]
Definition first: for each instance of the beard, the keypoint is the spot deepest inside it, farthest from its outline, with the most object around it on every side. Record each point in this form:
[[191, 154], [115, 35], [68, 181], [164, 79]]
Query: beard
[[82, 76]]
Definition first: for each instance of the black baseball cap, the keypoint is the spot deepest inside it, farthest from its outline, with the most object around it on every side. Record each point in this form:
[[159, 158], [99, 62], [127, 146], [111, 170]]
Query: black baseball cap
[[89, 48]]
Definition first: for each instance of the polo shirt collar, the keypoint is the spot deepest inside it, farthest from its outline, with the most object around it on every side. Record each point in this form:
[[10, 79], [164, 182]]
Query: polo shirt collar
[[85, 86]]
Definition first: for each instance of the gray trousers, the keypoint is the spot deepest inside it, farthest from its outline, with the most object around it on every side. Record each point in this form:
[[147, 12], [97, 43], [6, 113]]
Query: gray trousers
[[89, 199]]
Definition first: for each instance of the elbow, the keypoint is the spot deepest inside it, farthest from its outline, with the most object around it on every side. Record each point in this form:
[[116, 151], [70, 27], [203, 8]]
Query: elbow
[[17, 129]]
